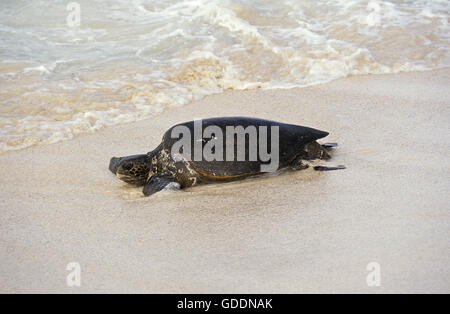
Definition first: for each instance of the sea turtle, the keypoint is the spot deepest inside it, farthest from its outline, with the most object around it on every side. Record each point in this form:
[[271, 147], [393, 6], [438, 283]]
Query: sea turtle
[[230, 148]]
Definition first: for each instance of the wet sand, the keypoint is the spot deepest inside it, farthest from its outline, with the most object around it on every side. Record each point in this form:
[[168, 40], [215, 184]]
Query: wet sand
[[296, 232]]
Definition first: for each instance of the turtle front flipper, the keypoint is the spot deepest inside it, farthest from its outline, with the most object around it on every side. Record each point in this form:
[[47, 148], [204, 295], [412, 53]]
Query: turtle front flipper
[[159, 182]]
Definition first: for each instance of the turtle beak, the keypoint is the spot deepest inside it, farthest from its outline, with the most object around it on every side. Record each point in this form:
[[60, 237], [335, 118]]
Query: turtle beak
[[114, 164]]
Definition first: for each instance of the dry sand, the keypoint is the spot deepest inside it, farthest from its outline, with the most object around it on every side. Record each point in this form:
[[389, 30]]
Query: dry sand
[[300, 231]]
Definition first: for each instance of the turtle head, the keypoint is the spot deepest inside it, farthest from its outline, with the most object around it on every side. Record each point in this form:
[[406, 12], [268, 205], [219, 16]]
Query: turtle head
[[131, 169]]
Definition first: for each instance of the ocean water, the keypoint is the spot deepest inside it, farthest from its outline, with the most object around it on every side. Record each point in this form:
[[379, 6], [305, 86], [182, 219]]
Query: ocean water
[[73, 67]]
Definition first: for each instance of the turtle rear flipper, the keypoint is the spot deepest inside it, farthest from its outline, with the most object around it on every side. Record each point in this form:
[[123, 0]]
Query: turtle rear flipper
[[325, 168], [159, 182], [329, 145]]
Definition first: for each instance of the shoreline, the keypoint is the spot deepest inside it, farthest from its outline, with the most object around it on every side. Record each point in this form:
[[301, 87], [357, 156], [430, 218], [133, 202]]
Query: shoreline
[[171, 108], [296, 232]]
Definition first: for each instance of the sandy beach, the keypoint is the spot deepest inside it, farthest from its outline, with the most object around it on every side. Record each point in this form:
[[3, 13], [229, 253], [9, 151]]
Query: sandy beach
[[298, 232]]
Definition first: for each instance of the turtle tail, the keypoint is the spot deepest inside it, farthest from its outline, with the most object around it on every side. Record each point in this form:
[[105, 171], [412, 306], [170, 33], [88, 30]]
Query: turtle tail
[[316, 151]]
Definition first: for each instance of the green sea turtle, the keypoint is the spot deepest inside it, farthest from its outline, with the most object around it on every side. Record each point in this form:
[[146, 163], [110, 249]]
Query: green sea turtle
[[222, 149]]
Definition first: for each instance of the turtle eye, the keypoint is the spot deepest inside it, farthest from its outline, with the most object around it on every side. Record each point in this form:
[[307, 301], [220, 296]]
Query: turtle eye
[[128, 166]]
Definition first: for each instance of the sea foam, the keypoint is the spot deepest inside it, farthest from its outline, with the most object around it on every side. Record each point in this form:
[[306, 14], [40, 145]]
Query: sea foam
[[129, 60]]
